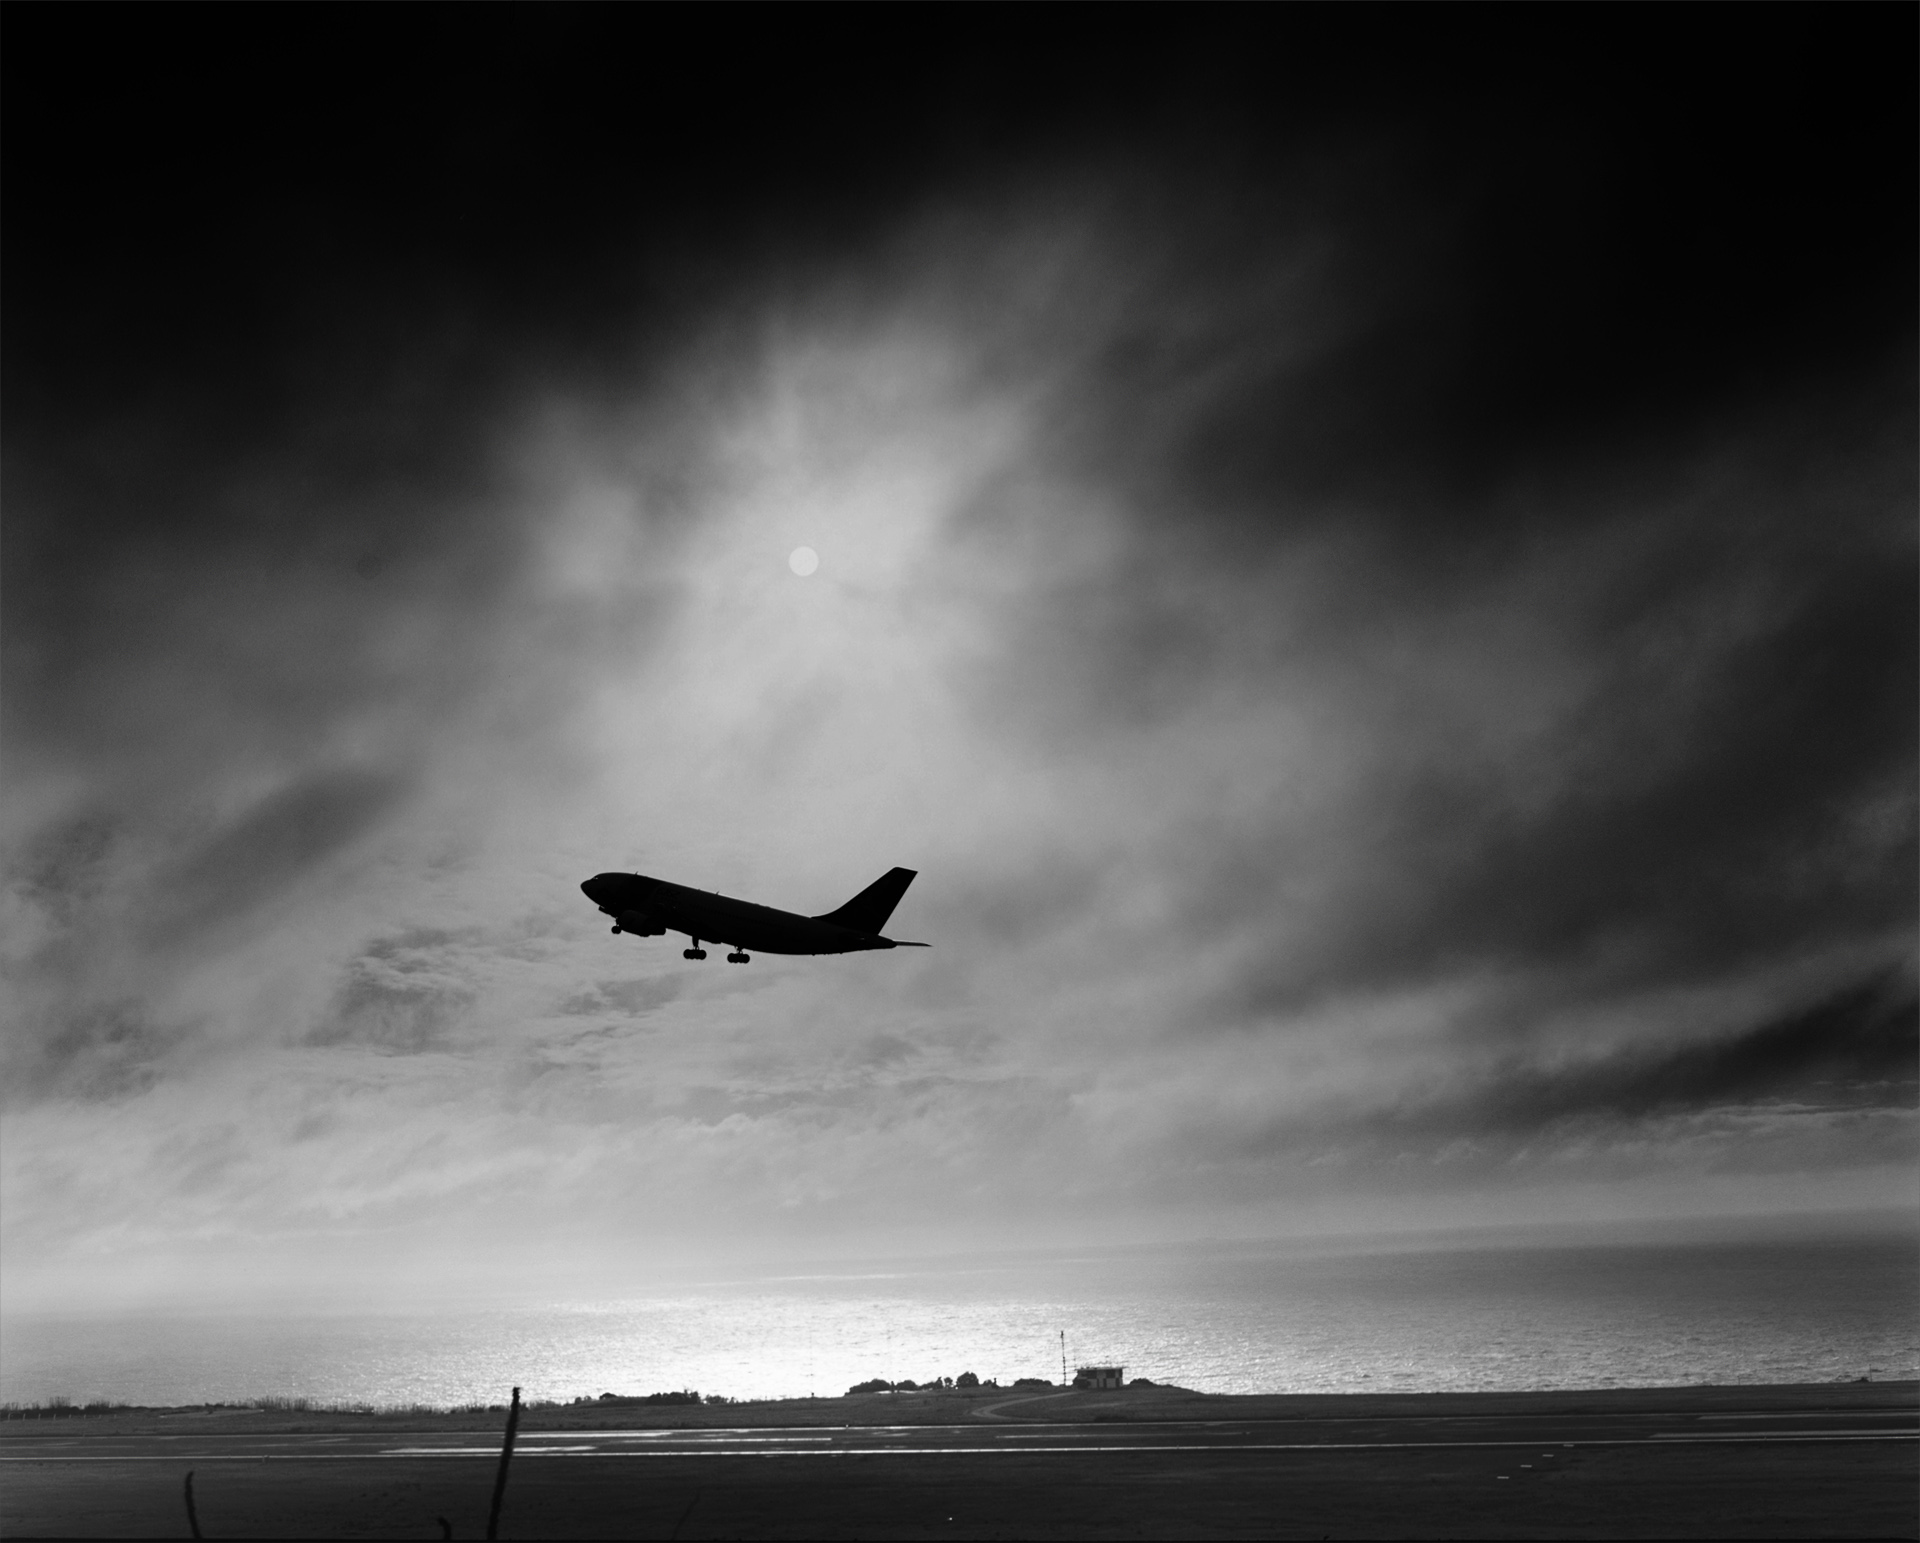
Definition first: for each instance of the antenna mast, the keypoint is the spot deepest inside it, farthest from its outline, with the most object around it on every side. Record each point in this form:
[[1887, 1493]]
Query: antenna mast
[[1063, 1358]]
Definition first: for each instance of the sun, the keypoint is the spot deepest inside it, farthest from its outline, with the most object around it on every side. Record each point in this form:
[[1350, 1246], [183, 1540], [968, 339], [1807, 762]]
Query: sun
[[803, 560]]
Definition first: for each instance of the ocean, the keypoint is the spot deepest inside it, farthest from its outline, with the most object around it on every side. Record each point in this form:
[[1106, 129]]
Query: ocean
[[1218, 1318]]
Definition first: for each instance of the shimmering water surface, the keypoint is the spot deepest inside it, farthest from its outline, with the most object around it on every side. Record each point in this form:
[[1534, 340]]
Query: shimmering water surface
[[1226, 1320]]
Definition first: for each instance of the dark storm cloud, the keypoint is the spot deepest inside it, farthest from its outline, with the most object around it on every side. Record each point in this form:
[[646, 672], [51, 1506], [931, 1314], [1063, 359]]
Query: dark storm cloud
[[1670, 746], [1691, 523], [244, 591], [1857, 1049], [1357, 545], [1846, 1064], [91, 1050], [271, 849], [69, 866], [118, 904], [1763, 804]]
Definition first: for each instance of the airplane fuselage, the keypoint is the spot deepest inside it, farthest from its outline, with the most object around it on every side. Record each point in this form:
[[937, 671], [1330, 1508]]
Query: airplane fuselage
[[647, 906]]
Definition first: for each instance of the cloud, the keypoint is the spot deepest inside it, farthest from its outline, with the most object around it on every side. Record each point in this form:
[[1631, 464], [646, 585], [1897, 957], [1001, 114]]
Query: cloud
[[403, 994], [267, 851], [629, 997], [1856, 1049], [1334, 774], [96, 1050]]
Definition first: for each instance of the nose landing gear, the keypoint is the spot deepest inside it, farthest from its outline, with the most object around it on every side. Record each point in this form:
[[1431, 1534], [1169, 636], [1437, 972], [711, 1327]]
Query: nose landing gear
[[740, 956]]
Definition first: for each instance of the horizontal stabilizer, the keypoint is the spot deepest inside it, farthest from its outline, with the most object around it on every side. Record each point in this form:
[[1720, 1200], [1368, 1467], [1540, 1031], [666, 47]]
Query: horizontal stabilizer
[[868, 911]]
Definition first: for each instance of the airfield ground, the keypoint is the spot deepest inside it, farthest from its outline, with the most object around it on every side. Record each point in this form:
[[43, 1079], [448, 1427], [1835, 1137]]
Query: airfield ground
[[1822, 1461]]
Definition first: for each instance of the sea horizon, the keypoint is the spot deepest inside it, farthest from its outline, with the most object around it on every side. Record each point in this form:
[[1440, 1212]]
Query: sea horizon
[[1768, 1302]]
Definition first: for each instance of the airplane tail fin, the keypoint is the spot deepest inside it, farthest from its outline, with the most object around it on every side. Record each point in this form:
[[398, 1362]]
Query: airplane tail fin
[[868, 911]]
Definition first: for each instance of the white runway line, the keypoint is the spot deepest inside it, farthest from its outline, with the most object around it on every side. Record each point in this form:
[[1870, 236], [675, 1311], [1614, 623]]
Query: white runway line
[[1135, 1449]]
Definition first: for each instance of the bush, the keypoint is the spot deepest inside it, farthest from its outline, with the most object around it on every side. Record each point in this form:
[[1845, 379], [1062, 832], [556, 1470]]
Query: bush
[[966, 1380], [871, 1385], [1031, 1382]]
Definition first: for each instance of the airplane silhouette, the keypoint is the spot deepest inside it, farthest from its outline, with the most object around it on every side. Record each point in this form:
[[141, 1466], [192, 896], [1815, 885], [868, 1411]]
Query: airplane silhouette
[[648, 907]]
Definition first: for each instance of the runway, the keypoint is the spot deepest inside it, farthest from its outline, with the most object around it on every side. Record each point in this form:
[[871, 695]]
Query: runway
[[1816, 1462], [1548, 1435]]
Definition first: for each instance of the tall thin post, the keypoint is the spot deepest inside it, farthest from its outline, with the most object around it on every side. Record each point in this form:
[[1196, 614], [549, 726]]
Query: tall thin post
[[1063, 1359], [506, 1456]]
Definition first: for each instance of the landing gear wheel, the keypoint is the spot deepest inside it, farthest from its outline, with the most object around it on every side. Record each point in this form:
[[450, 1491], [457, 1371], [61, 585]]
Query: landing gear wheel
[[616, 932], [693, 953], [739, 957]]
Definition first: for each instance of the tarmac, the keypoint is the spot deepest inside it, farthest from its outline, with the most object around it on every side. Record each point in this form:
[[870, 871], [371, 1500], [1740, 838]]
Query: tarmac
[[1838, 1460]]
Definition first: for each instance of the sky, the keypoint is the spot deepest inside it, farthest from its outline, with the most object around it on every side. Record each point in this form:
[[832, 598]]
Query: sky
[[1369, 569]]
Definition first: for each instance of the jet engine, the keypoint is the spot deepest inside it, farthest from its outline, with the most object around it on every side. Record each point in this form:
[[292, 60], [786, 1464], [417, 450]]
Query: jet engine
[[639, 924]]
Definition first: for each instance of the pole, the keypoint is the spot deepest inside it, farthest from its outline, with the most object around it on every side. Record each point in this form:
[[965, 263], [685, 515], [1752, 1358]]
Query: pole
[[1063, 1359], [500, 1478]]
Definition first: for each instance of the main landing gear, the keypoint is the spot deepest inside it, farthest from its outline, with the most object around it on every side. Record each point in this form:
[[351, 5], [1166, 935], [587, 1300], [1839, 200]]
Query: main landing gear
[[738, 956]]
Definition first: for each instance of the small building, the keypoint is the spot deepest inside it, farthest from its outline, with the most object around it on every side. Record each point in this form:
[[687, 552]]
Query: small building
[[1099, 1377]]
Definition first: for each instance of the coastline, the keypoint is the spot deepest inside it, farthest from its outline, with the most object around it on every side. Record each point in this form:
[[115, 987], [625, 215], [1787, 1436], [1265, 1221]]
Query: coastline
[[1055, 1405]]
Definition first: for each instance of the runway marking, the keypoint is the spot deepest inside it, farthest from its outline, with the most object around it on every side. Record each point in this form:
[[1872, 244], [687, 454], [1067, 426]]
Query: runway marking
[[1784, 1414], [658, 1435], [1136, 1449], [1782, 1435]]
